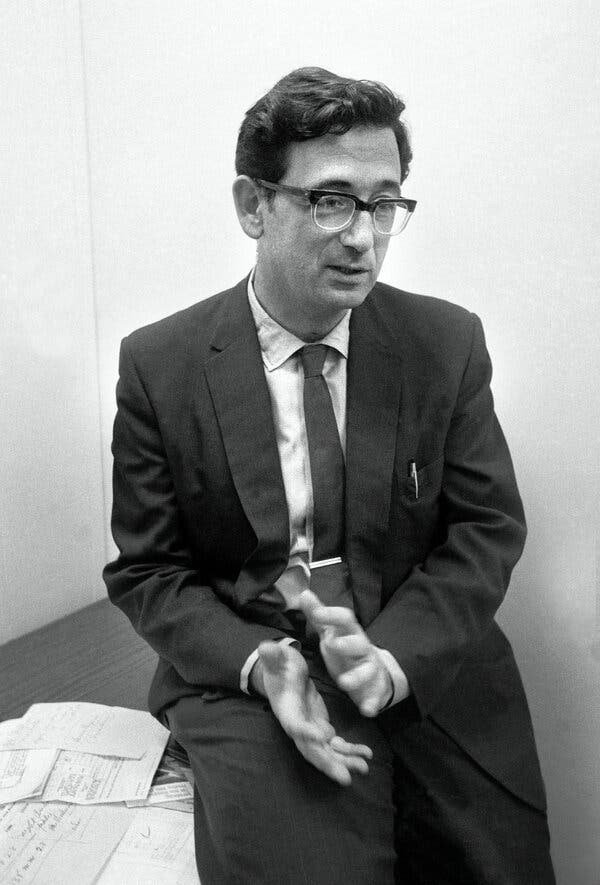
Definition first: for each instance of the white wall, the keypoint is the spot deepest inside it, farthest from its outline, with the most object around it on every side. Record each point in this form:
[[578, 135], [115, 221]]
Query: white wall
[[502, 101], [52, 542]]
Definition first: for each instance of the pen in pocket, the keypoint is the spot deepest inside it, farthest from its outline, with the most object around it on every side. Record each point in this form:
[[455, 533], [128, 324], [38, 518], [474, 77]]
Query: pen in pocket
[[412, 472]]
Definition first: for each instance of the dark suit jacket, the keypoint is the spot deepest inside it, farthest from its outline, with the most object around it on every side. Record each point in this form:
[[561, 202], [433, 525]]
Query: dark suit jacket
[[201, 522]]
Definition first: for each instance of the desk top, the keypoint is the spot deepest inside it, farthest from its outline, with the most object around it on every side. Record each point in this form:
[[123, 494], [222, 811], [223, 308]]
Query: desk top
[[92, 655]]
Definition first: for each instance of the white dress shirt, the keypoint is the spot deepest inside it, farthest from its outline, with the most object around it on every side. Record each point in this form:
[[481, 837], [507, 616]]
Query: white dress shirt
[[285, 379]]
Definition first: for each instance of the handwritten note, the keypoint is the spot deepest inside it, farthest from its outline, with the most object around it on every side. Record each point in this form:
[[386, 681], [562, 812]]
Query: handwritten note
[[52, 843], [68, 831], [85, 728]]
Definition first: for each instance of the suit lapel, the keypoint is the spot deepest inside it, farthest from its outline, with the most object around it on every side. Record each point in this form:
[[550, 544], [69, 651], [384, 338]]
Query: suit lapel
[[237, 384], [373, 403], [235, 377]]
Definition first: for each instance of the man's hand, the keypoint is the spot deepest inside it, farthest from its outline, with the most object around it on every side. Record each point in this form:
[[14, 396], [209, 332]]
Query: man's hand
[[281, 675], [351, 659]]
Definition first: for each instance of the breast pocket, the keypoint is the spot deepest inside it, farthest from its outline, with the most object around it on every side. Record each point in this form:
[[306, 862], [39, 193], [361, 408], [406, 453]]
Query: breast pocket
[[422, 483], [414, 525]]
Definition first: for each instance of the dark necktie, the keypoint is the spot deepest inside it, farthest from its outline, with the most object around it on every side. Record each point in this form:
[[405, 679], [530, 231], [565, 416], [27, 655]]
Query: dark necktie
[[326, 458]]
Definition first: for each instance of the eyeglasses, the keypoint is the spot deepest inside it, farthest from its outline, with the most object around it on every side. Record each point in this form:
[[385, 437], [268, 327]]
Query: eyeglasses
[[333, 211]]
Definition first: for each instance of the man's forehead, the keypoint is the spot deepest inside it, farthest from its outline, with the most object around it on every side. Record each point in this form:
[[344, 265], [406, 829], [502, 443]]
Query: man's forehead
[[337, 161]]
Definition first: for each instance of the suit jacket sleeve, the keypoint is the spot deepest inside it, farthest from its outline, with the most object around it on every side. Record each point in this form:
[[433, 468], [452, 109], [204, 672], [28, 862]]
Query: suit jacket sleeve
[[442, 611], [154, 580]]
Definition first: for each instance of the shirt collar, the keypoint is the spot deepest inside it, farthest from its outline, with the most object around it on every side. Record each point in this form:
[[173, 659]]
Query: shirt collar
[[278, 345]]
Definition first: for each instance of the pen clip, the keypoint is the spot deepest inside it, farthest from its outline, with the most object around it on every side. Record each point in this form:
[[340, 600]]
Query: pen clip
[[412, 472]]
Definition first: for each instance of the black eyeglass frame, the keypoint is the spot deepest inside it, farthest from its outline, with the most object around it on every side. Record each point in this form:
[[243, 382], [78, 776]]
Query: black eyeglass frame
[[313, 196]]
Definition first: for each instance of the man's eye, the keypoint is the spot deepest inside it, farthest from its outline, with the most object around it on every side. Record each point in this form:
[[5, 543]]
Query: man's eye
[[333, 203], [386, 210]]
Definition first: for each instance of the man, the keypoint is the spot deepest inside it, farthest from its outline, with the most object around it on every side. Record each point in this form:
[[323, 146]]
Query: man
[[317, 518]]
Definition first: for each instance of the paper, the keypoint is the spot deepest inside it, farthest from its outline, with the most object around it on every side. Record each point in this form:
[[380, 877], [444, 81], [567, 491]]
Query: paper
[[173, 784], [54, 843], [85, 728], [157, 847], [86, 779], [7, 727], [165, 793], [23, 773]]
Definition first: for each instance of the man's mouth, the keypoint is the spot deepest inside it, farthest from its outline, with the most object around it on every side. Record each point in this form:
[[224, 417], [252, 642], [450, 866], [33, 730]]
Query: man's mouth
[[348, 271]]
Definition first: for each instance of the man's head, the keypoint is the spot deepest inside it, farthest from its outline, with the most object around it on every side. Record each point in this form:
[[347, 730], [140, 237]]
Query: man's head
[[309, 103], [315, 130]]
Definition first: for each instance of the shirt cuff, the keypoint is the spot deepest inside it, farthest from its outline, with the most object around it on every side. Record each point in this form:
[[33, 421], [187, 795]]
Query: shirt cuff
[[399, 680], [252, 659]]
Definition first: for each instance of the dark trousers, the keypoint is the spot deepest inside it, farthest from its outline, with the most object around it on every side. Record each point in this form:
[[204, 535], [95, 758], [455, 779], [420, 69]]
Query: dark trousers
[[426, 813]]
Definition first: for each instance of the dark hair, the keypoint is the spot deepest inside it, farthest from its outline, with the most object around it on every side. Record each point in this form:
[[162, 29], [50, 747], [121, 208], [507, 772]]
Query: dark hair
[[308, 103]]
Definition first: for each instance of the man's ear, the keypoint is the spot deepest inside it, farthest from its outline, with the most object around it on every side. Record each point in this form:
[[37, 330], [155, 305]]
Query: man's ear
[[248, 205]]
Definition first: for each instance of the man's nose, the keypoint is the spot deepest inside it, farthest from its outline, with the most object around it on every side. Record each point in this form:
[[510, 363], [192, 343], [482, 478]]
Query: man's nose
[[359, 235]]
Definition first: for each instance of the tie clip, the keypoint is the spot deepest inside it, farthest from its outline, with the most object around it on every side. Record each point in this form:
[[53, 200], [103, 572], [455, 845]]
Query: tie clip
[[321, 563]]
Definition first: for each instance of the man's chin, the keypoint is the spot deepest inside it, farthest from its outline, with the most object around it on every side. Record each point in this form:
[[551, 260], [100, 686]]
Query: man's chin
[[347, 296]]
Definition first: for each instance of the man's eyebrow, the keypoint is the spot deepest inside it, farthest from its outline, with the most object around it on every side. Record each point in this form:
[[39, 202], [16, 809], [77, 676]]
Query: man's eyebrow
[[345, 185]]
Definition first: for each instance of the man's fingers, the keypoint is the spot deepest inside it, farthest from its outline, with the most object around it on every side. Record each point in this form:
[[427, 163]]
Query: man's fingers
[[302, 713], [308, 602], [351, 646], [370, 707], [357, 764], [358, 676], [323, 758], [341, 746], [321, 616], [340, 619], [335, 765]]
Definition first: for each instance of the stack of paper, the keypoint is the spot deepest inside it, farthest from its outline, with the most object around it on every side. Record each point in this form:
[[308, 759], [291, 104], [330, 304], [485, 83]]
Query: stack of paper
[[60, 757], [81, 753]]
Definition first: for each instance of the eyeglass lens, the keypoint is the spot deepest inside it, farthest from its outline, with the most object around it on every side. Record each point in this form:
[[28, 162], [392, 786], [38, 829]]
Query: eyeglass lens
[[333, 212]]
